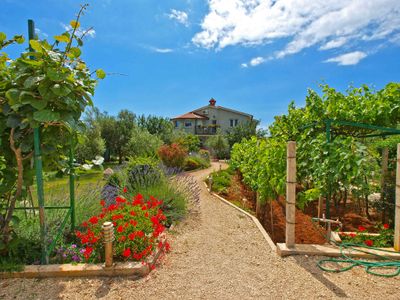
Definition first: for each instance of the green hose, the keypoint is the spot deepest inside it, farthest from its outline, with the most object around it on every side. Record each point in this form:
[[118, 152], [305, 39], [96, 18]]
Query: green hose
[[369, 266]]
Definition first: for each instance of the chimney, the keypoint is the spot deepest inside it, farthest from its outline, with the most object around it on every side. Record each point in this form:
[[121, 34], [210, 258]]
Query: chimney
[[212, 102]]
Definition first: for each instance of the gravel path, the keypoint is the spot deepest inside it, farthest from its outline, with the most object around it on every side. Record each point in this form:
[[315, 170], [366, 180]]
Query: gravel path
[[216, 254]]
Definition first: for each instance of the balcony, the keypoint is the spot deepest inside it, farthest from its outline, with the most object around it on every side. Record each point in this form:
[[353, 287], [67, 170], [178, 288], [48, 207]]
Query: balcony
[[206, 130]]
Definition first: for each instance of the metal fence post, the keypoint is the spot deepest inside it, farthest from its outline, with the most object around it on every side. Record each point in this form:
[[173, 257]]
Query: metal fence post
[[72, 184], [39, 170]]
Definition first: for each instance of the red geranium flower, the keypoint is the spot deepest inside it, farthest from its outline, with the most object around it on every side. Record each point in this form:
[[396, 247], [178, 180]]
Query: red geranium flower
[[369, 243], [88, 252], [120, 229], [127, 252], [120, 199], [94, 220], [131, 236], [132, 213], [125, 190], [84, 224], [386, 226], [361, 228], [102, 202]]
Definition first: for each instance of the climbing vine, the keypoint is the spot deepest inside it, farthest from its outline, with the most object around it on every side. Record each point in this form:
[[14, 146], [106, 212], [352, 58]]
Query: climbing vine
[[346, 165], [47, 87]]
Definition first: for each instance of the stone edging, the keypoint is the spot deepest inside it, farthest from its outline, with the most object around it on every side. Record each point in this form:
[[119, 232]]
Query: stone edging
[[86, 270], [255, 220]]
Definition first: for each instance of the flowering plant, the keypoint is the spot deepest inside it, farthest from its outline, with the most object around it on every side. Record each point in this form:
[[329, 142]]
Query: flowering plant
[[138, 225], [69, 254], [383, 239]]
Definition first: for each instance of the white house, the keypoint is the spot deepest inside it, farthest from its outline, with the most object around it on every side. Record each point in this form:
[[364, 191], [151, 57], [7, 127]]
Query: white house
[[206, 120]]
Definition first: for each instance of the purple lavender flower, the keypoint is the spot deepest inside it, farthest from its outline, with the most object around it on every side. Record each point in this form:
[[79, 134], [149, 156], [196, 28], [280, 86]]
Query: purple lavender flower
[[64, 255], [76, 258], [73, 246]]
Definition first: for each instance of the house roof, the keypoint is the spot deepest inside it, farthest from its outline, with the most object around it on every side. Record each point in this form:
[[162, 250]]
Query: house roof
[[191, 115], [226, 109]]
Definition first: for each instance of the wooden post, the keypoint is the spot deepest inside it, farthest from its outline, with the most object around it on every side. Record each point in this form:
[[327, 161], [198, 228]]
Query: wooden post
[[260, 208], [397, 207], [108, 235], [384, 170], [290, 194]]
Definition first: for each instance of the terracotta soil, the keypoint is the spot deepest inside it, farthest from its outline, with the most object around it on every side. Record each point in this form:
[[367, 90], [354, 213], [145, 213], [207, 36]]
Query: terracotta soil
[[307, 231]]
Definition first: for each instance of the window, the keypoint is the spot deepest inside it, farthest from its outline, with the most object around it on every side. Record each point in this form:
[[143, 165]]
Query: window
[[231, 122], [236, 122], [188, 124], [176, 123], [214, 122]]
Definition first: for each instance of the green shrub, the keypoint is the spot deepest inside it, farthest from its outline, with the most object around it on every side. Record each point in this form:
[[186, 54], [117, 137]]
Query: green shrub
[[174, 204], [205, 154], [196, 162], [221, 180]]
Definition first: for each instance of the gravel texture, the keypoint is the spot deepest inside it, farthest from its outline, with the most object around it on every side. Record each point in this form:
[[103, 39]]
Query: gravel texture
[[217, 253]]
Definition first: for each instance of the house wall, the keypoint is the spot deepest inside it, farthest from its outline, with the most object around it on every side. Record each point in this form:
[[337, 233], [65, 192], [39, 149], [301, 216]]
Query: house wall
[[222, 117], [181, 126]]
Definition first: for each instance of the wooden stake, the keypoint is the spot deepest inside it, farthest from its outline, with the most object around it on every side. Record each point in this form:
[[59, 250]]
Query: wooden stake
[[397, 209], [384, 170], [290, 194]]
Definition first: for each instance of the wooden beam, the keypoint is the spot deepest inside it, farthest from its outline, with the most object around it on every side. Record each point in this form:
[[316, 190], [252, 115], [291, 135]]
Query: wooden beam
[[290, 194], [397, 207]]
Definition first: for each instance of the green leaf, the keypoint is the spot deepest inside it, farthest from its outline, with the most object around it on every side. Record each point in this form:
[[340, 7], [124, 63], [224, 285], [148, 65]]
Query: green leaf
[[75, 51], [32, 62], [2, 37], [75, 24], [62, 38], [39, 104], [19, 39], [12, 122], [26, 97], [60, 89], [36, 45], [13, 96], [56, 75], [46, 115], [31, 81], [100, 74]]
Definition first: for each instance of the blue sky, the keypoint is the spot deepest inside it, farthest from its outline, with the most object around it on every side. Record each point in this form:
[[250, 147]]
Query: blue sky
[[250, 55]]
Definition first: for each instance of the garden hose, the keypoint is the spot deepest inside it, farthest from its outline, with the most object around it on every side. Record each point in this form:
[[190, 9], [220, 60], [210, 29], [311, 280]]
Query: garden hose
[[369, 266]]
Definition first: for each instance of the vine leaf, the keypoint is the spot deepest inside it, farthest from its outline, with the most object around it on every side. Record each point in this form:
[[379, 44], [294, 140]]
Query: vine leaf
[[46, 116]]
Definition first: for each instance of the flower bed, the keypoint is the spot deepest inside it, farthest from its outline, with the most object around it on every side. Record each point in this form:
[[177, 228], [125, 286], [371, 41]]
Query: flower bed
[[138, 226], [382, 239]]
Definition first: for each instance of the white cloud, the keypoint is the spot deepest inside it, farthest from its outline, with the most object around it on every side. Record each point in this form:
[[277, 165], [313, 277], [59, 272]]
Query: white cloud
[[80, 31], [328, 24], [334, 44], [179, 16], [256, 61], [348, 59], [162, 50], [41, 33]]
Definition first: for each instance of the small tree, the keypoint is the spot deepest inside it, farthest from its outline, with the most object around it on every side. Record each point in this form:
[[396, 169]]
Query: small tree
[[91, 144], [189, 141], [49, 92], [218, 145], [142, 143], [244, 131]]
